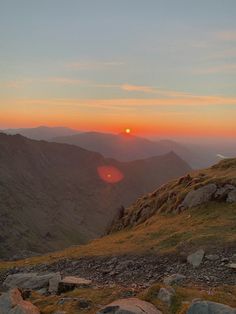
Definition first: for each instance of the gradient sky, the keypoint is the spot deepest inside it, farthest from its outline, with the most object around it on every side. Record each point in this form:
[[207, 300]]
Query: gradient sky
[[161, 67]]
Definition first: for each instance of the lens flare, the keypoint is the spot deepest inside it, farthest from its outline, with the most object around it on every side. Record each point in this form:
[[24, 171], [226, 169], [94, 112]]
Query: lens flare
[[110, 174]]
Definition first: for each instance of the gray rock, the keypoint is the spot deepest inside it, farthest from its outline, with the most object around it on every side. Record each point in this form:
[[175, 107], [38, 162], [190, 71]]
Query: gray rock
[[129, 306], [232, 265], [196, 258], [54, 283], [231, 197], [207, 307], [174, 279], [32, 281], [222, 192], [12, 302], [199, 196], [166, 295], [212, 257]]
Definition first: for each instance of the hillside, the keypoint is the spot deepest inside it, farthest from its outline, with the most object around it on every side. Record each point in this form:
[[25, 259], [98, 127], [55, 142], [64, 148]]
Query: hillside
[[55, 195], [156, 223], [127, 147], [150, 251]]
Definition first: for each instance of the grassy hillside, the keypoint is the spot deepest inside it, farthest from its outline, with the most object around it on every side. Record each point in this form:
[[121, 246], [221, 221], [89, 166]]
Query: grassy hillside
[[162, 230]]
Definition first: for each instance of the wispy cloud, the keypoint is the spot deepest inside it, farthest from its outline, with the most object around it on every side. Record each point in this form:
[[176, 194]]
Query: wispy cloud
[[225, 68], [127, 103], [63, 81], [138, 88], [94, 65], [229, 35]]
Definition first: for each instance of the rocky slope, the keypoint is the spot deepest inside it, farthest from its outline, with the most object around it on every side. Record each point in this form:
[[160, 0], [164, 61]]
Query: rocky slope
[[55, 195], [174, 248]]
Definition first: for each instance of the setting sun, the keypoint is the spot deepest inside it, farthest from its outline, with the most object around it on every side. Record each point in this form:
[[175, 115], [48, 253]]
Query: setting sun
[[127, 131]]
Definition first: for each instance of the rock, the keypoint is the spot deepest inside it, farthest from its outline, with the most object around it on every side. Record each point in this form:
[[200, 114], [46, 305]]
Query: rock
[[207, 307], [196, 258], [231, 197], [31, 281], [233, 258], [232, 265], [166, 295], [54, 283], [199, 196], [129, 306], [174, 279], [71, 282], [12, 302], [222, 193], [212, 257]]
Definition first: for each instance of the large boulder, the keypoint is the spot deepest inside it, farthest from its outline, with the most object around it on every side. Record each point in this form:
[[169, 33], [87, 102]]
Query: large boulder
[[196, 258], [32, 281], [129, 306], [200, 196], [207, 307], [12, 302]]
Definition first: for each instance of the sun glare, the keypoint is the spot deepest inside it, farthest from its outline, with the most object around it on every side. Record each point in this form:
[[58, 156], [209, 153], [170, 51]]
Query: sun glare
[[128, 131]]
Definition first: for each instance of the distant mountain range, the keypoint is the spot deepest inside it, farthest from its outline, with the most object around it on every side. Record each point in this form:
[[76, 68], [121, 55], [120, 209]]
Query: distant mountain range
[[126, 147], [41, 132], [55, 195]]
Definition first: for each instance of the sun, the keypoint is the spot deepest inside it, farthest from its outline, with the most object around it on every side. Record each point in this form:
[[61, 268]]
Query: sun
[[127, 130]]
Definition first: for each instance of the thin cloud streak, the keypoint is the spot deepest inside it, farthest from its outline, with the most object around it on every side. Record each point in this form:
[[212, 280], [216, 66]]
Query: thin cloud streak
[[126, 103], [93, 65]]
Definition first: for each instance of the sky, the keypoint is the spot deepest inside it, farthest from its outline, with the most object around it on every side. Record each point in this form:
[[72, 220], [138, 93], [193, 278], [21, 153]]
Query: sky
[[160, 67]]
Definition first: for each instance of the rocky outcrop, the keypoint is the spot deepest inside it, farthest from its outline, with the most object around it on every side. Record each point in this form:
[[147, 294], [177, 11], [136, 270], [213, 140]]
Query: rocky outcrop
[[129, 306], [12, 302], [207, 307], [200, 196], [32, 281]]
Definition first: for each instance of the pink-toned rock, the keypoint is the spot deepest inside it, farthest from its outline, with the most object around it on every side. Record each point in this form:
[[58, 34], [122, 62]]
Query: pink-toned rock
[[129, 306], [12, 302]]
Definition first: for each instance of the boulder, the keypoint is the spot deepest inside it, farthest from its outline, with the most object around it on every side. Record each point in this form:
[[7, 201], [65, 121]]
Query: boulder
[[231, 197], [196, 258], [174, 279], [129, 306], [54, 283], [222, 192], [207, 307], [166, 295], [32, 281], [71, 282], [200, 196], [12, 302]]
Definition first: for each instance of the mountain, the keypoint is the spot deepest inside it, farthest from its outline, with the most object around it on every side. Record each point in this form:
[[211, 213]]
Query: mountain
[[173, 247], [41, 132], [54, 195], [126, 147]]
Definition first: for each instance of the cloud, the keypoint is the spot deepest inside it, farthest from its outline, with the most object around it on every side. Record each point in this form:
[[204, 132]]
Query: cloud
[[93, 65], [229, 35], [63, 81], [137, 88], [225, 68], [126, 103]]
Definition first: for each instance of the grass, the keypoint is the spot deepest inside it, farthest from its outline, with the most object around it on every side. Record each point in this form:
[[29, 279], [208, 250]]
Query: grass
[[101, 296], [201, 226]]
